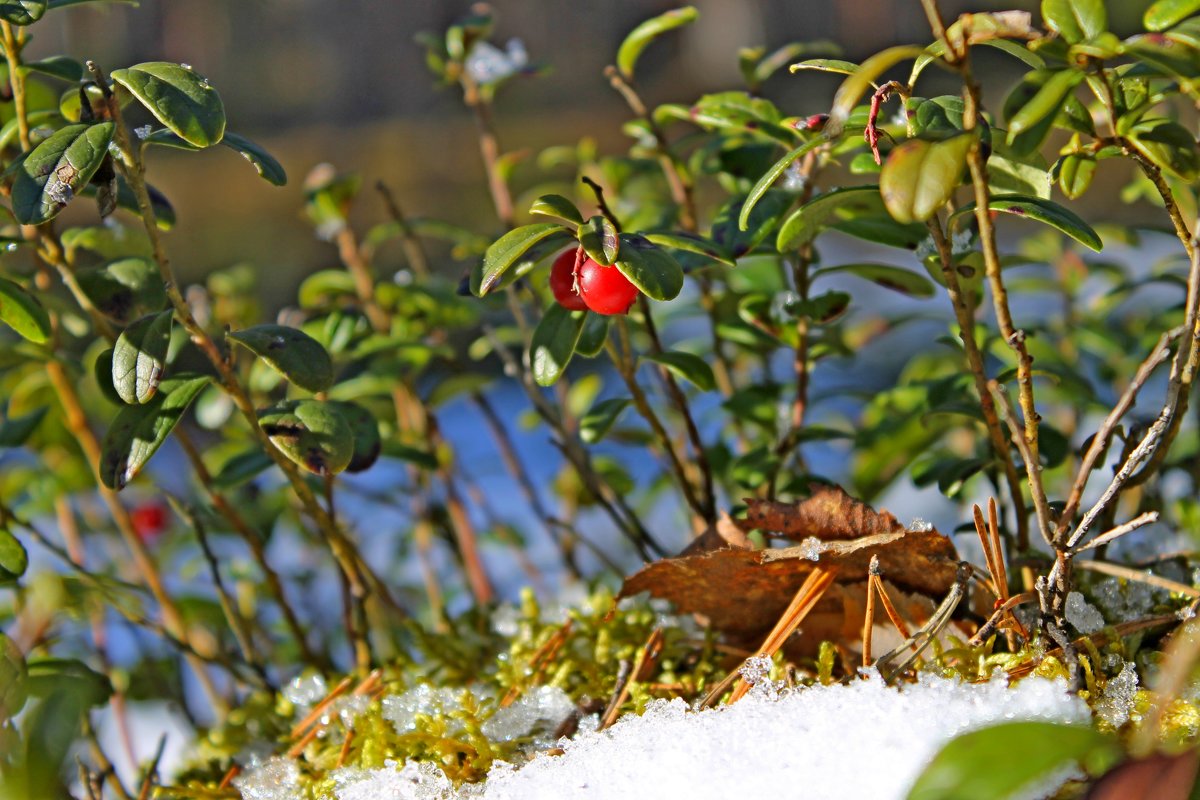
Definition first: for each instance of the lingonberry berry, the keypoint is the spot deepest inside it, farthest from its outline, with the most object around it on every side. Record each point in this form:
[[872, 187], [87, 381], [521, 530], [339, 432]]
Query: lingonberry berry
[[562, 282], [149, 521], [604, 289]]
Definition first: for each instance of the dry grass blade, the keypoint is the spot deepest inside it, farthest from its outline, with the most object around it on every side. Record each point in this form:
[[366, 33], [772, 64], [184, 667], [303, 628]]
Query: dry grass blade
[[646, 659], [1003, 610], [929, 631], [1118, 571], [869, 615], [819, 580]]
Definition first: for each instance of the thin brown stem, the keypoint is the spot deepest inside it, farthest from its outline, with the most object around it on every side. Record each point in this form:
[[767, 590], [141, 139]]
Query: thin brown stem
[[966, 327], [418, 262]]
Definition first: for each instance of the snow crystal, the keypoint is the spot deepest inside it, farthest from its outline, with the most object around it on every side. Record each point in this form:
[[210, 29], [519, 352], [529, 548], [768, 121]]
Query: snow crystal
[[306, 690], [350, 707], [817, 738], [489, 64], [540, 710], [505, 620], [1125, 600], [276, 779], [414, 781], [1116, 701], [811, 548], [919, 525], [756, 671], [143, 131], [402, 709], [1084, 616]]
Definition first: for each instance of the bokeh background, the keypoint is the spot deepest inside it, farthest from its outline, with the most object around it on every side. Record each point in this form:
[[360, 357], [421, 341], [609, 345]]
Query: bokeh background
[[344, 82]]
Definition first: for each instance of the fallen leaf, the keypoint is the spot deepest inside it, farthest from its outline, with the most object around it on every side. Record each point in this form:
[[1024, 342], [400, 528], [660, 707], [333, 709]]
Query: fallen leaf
[[742, 592]]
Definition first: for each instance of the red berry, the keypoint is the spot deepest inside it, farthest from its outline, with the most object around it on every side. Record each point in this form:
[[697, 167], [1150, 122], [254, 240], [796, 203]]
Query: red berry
[[149, 521], [562, 282], [604, 289]]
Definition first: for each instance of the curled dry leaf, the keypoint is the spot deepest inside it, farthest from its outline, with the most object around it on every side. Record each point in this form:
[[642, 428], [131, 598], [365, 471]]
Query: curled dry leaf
[[742, 591]]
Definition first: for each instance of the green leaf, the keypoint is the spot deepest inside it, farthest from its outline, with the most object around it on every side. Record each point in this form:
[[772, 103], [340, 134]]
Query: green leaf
[[891, 277], [814, 216], [241, 468], [649, 268], [554, 342], [999, 762], [509, 248], [835, 65], [691, 243], [61, 67], [764, 220], [311, 433], [822, 309], [57, 170], [1075, 174], [22, 312], [178, 98], [1075, 20], [13, 691], [125, 289], [13, 563], [1044, 211], [140, 355], [1045, 104], [368, 444], [853, 88], [263, 162], [599, 239], [1168, 144], [772, 175], [102, 372], [49, 676], [595, 333], [1166, 13], [599, 420], [688, 366], [920, 176], [22, 12], [557, 207], [138, 431], [631, 49], [291, 352], [15, 430]]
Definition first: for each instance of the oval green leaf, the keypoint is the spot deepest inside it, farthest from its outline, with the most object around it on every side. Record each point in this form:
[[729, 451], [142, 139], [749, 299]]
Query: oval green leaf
[[1075, 174], [688, 366], [1075, 20], [138, 431], [1044, 104], [368, 444], [814, 216], [22, 312], [178, 98], [998, 762], [888, 276], [1044, 211], [140, 355], [57, 170], [772, 175], [310, 433], [920, 176], [13, 561], [600, 418], [291, 352], [125, 289], [598, 236], [1166, 13], [557, 207], [22, 12], [263, 162], [631, 49], [509, 248], [554, 342], [692, 243], [12, 679], [595, 334], [649, 268]]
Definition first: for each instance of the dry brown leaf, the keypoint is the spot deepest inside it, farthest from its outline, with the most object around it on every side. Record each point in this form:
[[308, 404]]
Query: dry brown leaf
[[742, 592]]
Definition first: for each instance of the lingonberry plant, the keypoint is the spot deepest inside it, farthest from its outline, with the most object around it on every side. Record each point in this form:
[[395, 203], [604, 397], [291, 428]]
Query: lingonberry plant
[[703, 332]]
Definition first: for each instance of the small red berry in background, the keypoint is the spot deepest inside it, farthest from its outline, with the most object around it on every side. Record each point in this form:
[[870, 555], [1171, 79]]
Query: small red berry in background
[[604, 289], [149, 521], [562, 282]]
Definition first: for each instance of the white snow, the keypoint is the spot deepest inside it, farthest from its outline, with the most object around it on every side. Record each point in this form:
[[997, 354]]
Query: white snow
[[864, 739], [1082, 615]]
